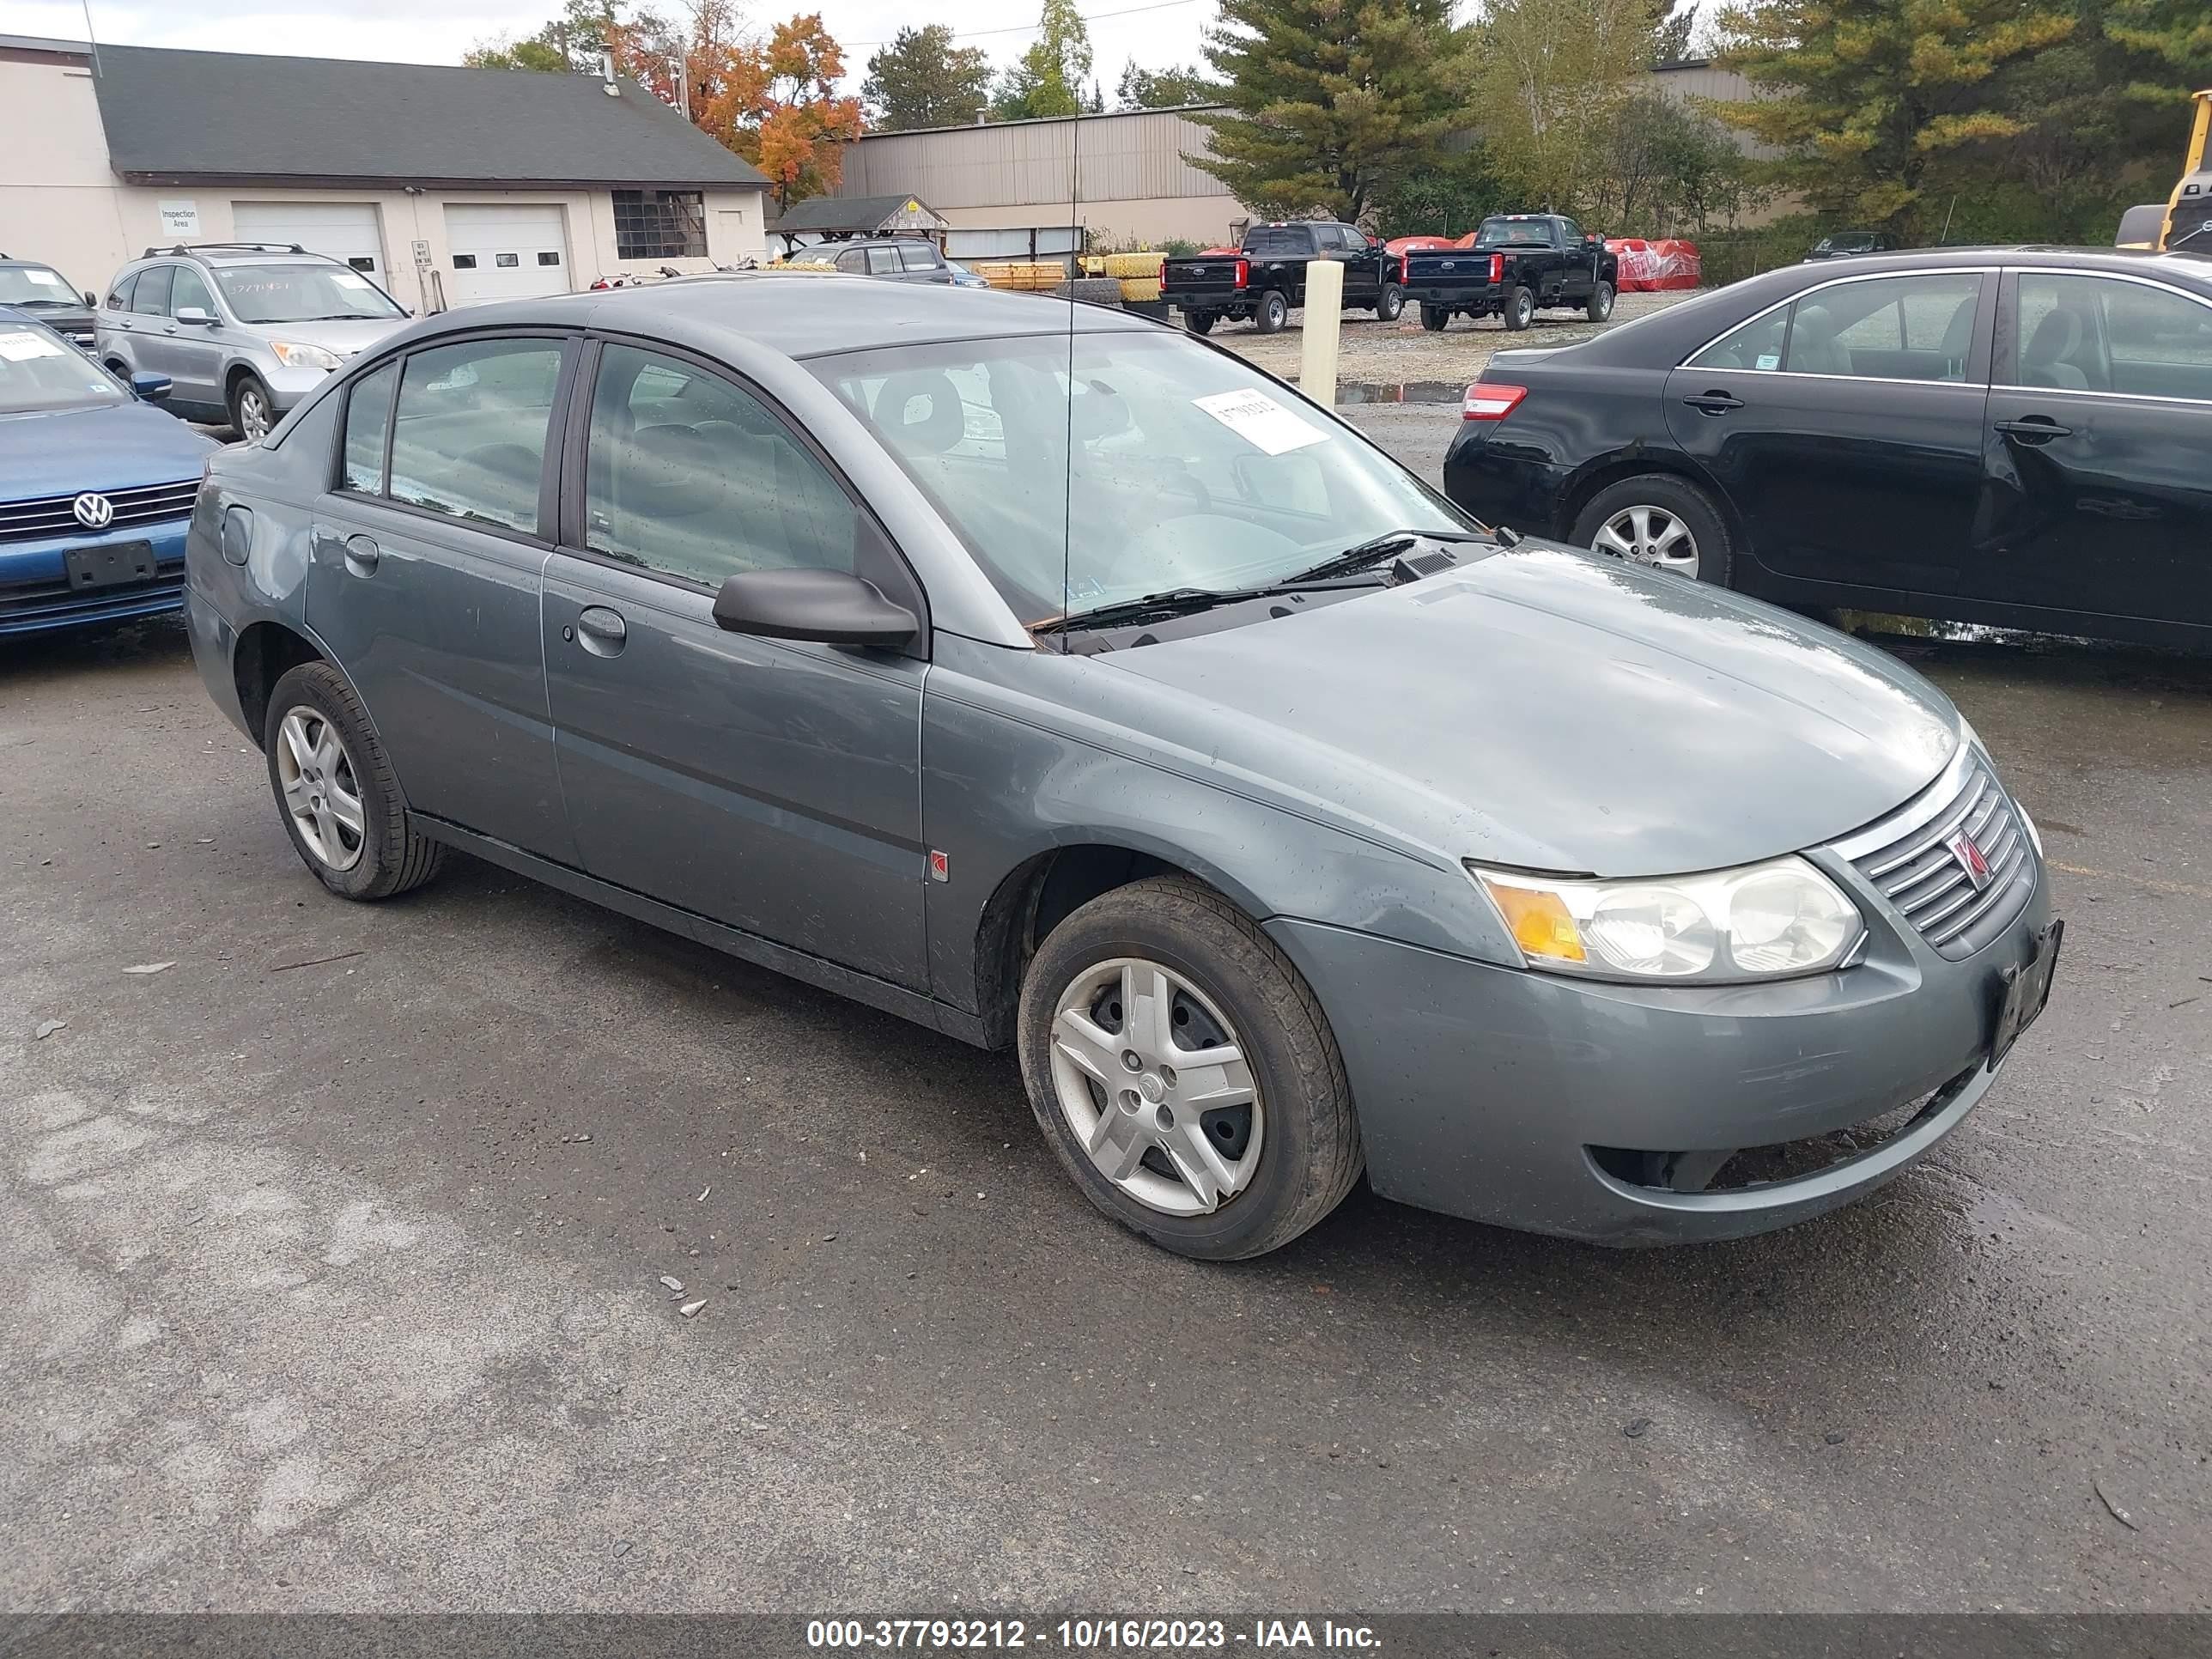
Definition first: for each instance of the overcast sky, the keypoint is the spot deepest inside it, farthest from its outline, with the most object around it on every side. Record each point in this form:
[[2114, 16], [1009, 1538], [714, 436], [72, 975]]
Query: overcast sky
[[439, 31]]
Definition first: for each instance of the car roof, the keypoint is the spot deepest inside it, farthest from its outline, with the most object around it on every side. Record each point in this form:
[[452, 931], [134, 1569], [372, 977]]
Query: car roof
[[2194, 268], [797, 314], [239, 255]]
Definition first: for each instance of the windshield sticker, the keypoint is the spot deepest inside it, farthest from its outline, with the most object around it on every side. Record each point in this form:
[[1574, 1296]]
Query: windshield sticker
[[1261, 421], [21, 347], [44, 278], [347, 279]]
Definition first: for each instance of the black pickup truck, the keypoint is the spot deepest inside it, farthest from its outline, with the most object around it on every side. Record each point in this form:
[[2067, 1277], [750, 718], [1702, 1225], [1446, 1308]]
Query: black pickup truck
[[1517, 265], [1267, 275]]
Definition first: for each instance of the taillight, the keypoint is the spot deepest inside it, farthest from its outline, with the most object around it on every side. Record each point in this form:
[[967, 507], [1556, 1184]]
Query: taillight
[[1405, 269], [1243, 273], [1497, 267], [1487, 401]]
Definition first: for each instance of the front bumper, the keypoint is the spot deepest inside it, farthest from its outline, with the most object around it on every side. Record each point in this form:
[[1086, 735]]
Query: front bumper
[[1506, 1096], [36, 597]]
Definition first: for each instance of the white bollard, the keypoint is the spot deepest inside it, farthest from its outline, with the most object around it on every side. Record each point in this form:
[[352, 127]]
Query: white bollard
[[1324, 318]]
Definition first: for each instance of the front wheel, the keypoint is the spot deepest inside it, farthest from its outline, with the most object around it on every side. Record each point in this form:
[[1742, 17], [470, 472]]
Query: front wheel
[[1600, 302], [1199, 322], [1184, 1073], [1520, 308], [334, 785], [1433, 318], [1392, 303], [1274, 312], [1661, 520], [252, 410]]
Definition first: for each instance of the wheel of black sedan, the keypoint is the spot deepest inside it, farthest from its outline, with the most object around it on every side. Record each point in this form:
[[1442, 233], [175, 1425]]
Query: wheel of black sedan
[[1659, 520], [1184, 1073], [1600, 302], [1274, 312], [1520, 308], [334, 785], [1392, 304], [1433, 318]]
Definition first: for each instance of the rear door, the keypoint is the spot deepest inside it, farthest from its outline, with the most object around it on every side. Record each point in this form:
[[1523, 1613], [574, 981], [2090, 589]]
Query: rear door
[[1845, 427], [772, 786], [2096, 449], [425, 584], [146, 327], [921, 264]]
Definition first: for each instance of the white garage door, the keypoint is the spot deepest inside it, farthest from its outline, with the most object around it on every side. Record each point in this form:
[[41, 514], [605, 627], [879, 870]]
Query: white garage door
[[505, 250], [343, 230]]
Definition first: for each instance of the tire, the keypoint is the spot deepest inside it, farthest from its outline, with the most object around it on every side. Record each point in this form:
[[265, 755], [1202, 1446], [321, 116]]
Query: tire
[[1390, 304], [1199, 322], [1301, 1132], [1656, 494], [387, 857], [1274, 310], [252, 412], [1435, 318], [1600, 302], [1520, 308]]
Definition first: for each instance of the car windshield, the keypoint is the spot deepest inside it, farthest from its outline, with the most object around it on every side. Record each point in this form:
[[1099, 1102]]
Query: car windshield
[[1189, 469], [1512, 232], [301, 294], [40, 370], [35, 285]]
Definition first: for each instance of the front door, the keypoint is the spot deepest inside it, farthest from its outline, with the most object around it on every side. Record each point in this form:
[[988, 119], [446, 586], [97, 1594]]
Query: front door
[[1362, 268], [773, 787], [425, 583], [1845, 428], [2095, 451], [194, 350]]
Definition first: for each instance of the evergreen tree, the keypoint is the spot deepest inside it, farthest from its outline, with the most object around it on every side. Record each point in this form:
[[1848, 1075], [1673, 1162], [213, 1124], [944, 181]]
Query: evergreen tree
[[922, 80]]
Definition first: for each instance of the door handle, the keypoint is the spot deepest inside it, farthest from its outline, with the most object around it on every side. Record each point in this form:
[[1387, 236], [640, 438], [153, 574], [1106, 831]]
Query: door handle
[[171, 329], [2034, 429], [360, 555], [1714, 403], [601, 631]]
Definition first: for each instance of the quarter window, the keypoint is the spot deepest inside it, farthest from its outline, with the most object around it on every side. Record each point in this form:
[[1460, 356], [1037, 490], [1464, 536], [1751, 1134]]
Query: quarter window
[[660, 224], [151, 297], [469, 434], [687, 475], [119, 297], [369, 418], [2093, 334]]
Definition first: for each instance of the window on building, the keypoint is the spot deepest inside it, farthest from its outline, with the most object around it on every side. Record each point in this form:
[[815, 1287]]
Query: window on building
[[465, 261], [548, 258], [660, 224]]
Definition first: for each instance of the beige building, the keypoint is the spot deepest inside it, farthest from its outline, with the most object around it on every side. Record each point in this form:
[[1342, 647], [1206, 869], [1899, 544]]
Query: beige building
[[447, 186]]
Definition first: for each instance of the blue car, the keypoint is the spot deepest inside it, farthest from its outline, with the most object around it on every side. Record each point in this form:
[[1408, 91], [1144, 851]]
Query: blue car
[[96, 487]]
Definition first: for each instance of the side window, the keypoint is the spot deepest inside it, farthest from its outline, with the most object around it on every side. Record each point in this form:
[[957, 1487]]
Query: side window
[[1757, 344], [367, 418], [151, 297], [1570, 233], [469, 434], [1894, 328], [917, 256], [883, 262], [2091, 334], [686, 474], [853, 258], [119, 297], [188, 289]]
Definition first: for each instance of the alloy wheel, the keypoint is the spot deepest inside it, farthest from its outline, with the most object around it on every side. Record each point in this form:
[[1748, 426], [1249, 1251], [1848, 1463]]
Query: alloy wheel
[[254, 422], [321, 790], [1156, 1086], [1652, 535]]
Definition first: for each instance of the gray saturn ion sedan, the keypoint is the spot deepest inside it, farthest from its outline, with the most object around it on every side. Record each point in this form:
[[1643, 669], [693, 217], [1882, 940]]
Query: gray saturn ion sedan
[[1068, 686]]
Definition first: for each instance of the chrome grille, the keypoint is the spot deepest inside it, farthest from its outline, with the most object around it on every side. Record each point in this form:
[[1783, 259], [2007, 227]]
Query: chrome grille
[[1909, 859], [55, 515]]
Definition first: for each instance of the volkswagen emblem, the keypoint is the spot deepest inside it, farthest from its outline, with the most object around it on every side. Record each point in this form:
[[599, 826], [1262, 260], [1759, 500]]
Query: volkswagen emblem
[[1969, 854], [93, 512]]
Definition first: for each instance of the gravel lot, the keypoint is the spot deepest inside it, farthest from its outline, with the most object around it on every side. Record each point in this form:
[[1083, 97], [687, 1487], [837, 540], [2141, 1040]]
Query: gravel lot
[[331, 1254]]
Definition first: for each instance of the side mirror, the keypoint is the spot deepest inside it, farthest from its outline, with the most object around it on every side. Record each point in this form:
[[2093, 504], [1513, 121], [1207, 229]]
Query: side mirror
[[830, 607], [198, 316], [152, 388], [91, 301]]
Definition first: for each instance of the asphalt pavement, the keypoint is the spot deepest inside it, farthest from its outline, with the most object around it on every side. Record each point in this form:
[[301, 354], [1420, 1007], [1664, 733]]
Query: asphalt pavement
[[332, 1254]]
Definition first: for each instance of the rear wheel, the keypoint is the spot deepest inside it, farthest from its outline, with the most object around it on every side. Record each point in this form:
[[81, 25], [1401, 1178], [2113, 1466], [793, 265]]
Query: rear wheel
[[1184, 1073], [333, 783], [1391, 305], [1433, 318], [1658, 519], [1199, 322], [1600, 302], [1274, 310], [1520, 308]]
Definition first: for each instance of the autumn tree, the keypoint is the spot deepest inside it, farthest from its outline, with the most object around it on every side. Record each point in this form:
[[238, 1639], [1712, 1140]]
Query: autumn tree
[[1169, 88], [776, 103], [922, 80], [1048, 79], [1326, 99], [1550, 78]]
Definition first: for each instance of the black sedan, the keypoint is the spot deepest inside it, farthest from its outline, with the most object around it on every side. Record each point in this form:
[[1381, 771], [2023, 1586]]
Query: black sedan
[[2013, 436]]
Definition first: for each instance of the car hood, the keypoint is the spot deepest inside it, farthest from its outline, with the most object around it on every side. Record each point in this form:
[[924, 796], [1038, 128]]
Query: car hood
[[1554, 709], [347, 340], [61, 452]]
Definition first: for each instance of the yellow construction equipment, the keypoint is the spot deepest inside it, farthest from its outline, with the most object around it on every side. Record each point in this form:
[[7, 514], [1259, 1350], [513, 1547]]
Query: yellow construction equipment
[[2184, 220]]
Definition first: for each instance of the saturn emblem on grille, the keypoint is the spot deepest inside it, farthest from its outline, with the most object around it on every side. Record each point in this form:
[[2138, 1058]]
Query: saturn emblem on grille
[[93, 512], [1969, 854]]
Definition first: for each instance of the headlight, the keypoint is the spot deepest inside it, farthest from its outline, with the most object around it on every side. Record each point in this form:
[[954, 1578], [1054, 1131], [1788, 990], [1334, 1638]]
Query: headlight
[[303, 356], [1763, 921]]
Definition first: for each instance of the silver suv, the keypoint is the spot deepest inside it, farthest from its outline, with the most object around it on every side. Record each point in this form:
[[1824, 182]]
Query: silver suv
[[243, 329]]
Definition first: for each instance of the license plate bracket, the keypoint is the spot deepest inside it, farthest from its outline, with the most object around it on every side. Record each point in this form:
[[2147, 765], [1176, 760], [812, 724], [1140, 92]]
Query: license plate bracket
[[2023, 991], [109, 564]]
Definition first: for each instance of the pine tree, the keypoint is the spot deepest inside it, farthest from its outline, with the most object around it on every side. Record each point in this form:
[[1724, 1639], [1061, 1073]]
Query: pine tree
[[922, 80], [1328, 99]]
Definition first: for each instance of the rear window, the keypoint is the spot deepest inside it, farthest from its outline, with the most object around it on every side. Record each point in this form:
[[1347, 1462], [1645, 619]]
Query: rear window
[[1513, 232], [1279, 241]]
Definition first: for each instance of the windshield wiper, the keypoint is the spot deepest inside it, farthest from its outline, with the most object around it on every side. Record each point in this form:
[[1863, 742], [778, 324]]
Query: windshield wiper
[[1183, 602], [1378, 548]]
